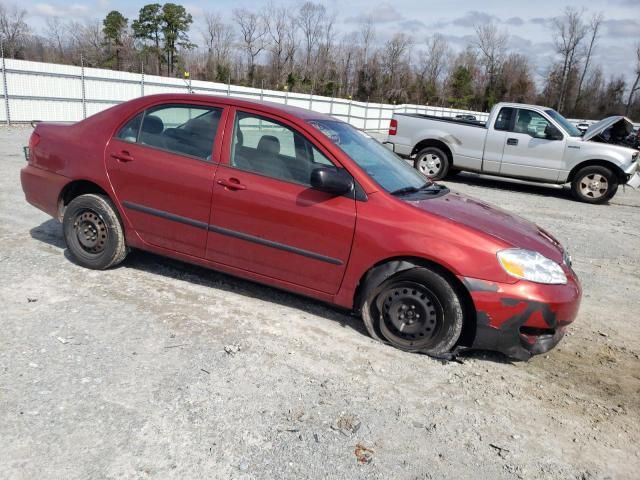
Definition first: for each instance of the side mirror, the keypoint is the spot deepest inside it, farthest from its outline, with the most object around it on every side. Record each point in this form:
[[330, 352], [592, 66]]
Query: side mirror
[[552, 133], [332, 180]]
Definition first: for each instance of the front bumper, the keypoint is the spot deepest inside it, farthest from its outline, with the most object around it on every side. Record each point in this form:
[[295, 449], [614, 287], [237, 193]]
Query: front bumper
[[524, 318]]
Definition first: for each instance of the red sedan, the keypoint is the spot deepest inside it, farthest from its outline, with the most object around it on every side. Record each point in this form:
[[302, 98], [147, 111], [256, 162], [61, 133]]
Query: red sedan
[[304, 202]]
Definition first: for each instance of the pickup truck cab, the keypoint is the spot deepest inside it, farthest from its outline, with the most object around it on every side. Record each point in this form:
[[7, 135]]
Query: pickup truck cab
[[528, 142]]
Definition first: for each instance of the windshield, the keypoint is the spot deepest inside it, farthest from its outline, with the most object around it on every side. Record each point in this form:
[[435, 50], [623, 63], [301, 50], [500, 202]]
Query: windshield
[[568, 127], [385, 167]]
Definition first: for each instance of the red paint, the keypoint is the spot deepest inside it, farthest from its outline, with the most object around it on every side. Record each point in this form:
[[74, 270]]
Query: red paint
[[454, 231]]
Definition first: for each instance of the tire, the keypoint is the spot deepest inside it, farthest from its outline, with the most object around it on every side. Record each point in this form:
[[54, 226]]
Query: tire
[[417, 310], [432, 162], [594, 184], [93, 232]]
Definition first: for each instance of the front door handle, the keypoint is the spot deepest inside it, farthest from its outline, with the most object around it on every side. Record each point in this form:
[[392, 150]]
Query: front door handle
[[232, 184], [512, 141], [123, 156]]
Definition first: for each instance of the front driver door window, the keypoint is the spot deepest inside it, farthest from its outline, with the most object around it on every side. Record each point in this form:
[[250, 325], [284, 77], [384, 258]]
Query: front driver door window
[[266, 218]]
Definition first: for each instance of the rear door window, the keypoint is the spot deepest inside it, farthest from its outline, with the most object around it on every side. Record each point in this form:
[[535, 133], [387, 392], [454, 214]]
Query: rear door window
[[178, 128], [503, 121]]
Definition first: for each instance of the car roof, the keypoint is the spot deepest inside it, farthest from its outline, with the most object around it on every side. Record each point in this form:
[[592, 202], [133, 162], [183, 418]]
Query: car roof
[[302, 113]]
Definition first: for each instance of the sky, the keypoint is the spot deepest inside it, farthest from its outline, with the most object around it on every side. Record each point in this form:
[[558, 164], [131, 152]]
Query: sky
[[526, 22]]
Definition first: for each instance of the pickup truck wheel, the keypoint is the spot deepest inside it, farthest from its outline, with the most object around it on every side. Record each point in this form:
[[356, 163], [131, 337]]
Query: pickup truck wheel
[[594, 184], [93, 232], [417, 310], [432, 162]]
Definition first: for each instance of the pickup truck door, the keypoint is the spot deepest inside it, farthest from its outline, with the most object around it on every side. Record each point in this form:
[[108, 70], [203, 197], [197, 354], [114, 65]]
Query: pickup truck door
[[534, 148]]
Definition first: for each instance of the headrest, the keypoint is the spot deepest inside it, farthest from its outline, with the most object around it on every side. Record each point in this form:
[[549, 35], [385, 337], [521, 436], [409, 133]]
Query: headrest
[[524, 116], [239, 136], [152, 124], [269, 144]]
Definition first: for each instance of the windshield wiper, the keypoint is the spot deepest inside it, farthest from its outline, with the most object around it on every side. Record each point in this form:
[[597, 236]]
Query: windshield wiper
[[427, 187]]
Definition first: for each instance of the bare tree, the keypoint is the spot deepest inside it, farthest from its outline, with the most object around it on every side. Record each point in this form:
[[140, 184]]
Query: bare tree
[[57, 35], [394, 54], [13, 29], [218, 37], [367, 36], [311, 17], [280, 29], [594, 27], [252, 34], [636, 84], [432, 64], [491, 44], [569, 31]]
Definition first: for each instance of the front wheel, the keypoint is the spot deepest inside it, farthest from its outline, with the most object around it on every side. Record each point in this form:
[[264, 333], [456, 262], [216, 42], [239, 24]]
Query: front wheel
[[594, 184], [432, 162], [93, 232], [417, 310]]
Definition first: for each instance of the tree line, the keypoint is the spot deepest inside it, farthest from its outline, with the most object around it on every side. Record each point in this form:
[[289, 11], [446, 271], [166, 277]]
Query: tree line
[[301, 50]]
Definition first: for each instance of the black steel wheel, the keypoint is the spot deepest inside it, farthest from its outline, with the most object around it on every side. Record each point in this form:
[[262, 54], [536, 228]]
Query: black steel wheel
[[416, 310], [93, 232]]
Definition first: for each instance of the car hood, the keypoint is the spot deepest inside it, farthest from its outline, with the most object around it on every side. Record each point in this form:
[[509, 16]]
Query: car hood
[[481, 216], [602, 125]]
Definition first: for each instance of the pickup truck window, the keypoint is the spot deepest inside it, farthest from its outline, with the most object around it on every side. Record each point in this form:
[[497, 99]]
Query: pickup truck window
[[566, 125], [531, 123], [503, 121], [387, 169]]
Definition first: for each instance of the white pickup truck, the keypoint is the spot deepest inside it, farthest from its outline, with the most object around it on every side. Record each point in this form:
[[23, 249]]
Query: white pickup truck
[[522, 141]]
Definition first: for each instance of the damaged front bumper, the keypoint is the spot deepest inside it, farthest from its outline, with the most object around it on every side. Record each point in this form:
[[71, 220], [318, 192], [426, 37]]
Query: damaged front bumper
[[524, 318]]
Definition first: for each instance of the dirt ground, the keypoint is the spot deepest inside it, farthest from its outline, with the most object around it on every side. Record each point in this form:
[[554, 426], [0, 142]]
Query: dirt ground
[[158, 369]]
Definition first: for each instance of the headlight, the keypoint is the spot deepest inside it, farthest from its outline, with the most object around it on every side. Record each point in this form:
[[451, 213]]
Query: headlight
[[529, 265]]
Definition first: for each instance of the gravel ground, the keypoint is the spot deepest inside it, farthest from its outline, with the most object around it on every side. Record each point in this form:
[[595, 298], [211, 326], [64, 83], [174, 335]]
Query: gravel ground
[[158, 369]]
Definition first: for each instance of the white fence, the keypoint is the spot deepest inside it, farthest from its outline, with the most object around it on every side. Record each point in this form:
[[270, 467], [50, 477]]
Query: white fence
[[65, 93]]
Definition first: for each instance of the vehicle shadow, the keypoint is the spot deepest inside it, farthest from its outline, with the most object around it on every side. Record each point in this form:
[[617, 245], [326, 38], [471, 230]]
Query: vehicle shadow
[[50, 232], [511, 185]]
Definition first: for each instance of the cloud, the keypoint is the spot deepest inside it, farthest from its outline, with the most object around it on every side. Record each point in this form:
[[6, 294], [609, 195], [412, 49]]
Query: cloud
[[412, 26], [514, 21], [543, 21], [48, 10], [380, 13], [474, 18], [622, 28]]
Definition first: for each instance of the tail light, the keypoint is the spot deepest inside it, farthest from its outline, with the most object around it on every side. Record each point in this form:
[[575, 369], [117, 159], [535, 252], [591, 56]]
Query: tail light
[[34, 140], [393, 126]]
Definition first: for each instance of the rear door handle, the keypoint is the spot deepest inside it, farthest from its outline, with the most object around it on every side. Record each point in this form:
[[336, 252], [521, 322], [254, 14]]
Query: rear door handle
[[512, 141], [232, 184], [123, 157]]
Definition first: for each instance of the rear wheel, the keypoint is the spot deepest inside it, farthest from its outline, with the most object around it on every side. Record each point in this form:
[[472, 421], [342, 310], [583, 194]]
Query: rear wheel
[[594, 184], [93, 232], [432, 162], [417, 310]]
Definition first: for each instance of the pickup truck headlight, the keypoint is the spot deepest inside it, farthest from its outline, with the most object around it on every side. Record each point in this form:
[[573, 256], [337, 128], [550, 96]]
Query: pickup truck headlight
[[532, 266]]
